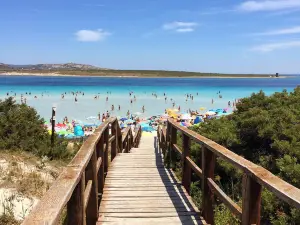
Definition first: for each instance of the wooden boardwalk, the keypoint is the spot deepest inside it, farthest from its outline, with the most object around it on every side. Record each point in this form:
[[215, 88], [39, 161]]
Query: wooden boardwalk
[[139, 190]]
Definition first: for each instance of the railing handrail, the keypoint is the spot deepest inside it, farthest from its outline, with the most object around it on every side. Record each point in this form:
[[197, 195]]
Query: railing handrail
[[79, 175], [255, 177]]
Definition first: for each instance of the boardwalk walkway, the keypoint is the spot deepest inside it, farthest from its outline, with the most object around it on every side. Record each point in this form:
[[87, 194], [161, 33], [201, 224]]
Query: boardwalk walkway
[[139, 190]]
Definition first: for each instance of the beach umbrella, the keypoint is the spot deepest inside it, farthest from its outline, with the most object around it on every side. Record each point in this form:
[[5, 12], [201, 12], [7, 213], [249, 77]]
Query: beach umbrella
[[79, 122], [144, 125], [186, 117], [123, 119], [202, 108], [62, 132], [210, 113], [92, 118], [129, 121]]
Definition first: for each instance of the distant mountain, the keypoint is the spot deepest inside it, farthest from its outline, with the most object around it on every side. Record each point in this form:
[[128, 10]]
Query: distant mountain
[[66, 66]]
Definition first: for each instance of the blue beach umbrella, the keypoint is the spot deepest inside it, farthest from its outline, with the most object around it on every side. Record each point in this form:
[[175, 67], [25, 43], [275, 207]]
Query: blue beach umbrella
[[123, 119]]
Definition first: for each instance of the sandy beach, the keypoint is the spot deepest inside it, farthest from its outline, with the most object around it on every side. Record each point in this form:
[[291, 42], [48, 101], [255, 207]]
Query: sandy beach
[[58, 74]]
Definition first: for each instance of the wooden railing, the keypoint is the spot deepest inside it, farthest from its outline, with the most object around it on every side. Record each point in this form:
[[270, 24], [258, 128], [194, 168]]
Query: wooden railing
[[77, 191], [254, 178]]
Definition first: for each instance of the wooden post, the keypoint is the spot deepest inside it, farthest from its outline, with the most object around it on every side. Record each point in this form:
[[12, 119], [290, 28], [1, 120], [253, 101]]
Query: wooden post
[[168, 156], [127, 143], [53, 119], [120, 140], [75, 209], [208, 167], [92, 205], [186, 168], [106, 137], [251, 201], [114, 142], [173, 141], [100, 147]]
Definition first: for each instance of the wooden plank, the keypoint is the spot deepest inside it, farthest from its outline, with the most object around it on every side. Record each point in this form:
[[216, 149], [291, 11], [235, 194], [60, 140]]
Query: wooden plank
[[92, 203], [113, 139], [251, 201], [142, 193], [194, 167], [208, 163], [225, 199], [123, 184], [87, 193], [177, 149], [100, 149], [186, 171], [149, 215], [143, 210], [145, 188], [173, 140], [169, 205], [186, 220], [280, 188], [99, 162], [75, 206]]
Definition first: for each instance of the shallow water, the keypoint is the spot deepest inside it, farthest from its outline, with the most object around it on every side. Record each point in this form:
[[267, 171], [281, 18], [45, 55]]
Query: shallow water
[[207, 88]]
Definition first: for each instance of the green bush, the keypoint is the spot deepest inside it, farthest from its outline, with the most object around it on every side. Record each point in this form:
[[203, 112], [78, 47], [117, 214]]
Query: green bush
[[265, 130], [22, 129]]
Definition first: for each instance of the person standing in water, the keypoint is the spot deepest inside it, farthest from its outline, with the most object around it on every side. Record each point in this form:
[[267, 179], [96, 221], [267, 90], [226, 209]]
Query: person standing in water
[[143, 109], [119, 107]]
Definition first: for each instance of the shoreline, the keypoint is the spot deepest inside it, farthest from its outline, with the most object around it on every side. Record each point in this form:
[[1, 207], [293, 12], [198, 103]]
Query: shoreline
[[136, 76]]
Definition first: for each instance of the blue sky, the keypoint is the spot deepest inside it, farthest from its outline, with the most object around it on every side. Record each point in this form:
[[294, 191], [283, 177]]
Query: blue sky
[[231, 36]]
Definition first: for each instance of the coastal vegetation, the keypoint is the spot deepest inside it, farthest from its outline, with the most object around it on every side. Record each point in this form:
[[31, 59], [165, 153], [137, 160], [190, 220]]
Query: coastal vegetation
[[88, 70], [131, 73], [22, 129], [265, 130], [29, 163]]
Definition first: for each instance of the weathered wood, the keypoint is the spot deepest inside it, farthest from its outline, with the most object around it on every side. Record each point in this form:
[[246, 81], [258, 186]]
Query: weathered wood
[[225, 199], [251, 201], [177, 149], [173, 141], [114, 133], [87, 193], [75, 206], [194, 167], [106, 136], [69, 187], [186, 220], [186, 168], [112, 138], [56, 198], [101, 169], [141, 187], [208, 167], [92, 205], [277, 186], [99, 162]]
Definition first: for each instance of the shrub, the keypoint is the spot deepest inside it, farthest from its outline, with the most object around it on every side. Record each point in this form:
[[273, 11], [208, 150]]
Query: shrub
[[22, 129]]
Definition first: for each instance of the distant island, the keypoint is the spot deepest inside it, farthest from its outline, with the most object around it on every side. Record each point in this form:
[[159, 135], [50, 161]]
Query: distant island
[[74, 69]]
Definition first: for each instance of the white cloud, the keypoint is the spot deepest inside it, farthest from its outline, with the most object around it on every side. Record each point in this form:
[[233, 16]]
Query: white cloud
[[268, 5], [292, 30], [276, 46], [91, 35], [180, 27], [185, 30]]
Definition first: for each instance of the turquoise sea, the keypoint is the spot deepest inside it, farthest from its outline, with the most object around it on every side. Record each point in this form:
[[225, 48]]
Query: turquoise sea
[[49, 89]]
